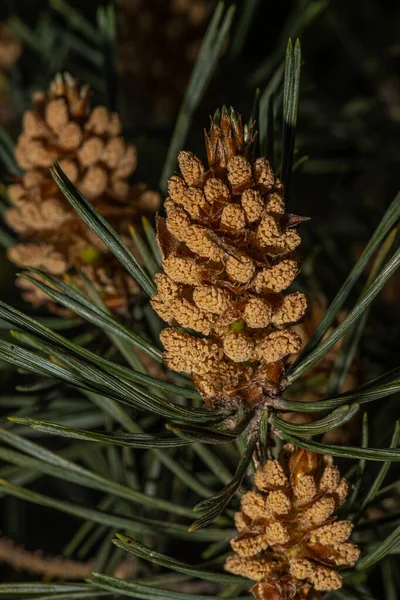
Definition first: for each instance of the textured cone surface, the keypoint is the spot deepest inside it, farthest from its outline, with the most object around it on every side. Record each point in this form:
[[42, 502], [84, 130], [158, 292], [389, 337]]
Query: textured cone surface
[[227, 248], [88, 145], [289, 539]]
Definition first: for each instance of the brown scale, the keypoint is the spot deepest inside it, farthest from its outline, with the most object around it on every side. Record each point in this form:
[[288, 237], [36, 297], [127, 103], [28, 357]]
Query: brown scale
[[88, 144], [289, 540], [228, 252]]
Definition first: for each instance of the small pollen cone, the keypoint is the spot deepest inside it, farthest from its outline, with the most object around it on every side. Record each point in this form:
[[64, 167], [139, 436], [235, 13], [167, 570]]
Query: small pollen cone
[[289, 541], [228, 257], [89, 147]]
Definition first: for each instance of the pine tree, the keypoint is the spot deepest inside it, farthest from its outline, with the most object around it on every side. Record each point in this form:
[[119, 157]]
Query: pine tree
[[256, 500]]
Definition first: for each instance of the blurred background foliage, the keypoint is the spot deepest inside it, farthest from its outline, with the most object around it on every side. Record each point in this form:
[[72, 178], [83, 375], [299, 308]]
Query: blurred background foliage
[[347, 144]]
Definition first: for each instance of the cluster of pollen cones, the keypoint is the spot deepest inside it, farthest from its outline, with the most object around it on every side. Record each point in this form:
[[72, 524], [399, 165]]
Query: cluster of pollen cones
[[89, 147], [228, 249], [228, 255], [289, 539]]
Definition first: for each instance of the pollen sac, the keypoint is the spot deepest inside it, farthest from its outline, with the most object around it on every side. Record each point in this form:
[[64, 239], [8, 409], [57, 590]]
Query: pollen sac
[[191, 167], [291, 310], [274, 203], [89, 148], [238, 347], [194, 202], [212, 299], [270, 237], [240, 268], [215, 190], [257, 313], [271, 476], [288, 538], [263, 174], [239, 173], [253, 205], [230, 249], [233, 218], [276, 278]]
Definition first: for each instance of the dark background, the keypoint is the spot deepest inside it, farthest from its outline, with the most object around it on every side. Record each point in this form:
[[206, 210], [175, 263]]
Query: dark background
[[349, 119]]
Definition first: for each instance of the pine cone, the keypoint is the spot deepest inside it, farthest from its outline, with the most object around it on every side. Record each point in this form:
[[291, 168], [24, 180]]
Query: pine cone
[[227, 248], [289, 540], [90, 149]]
